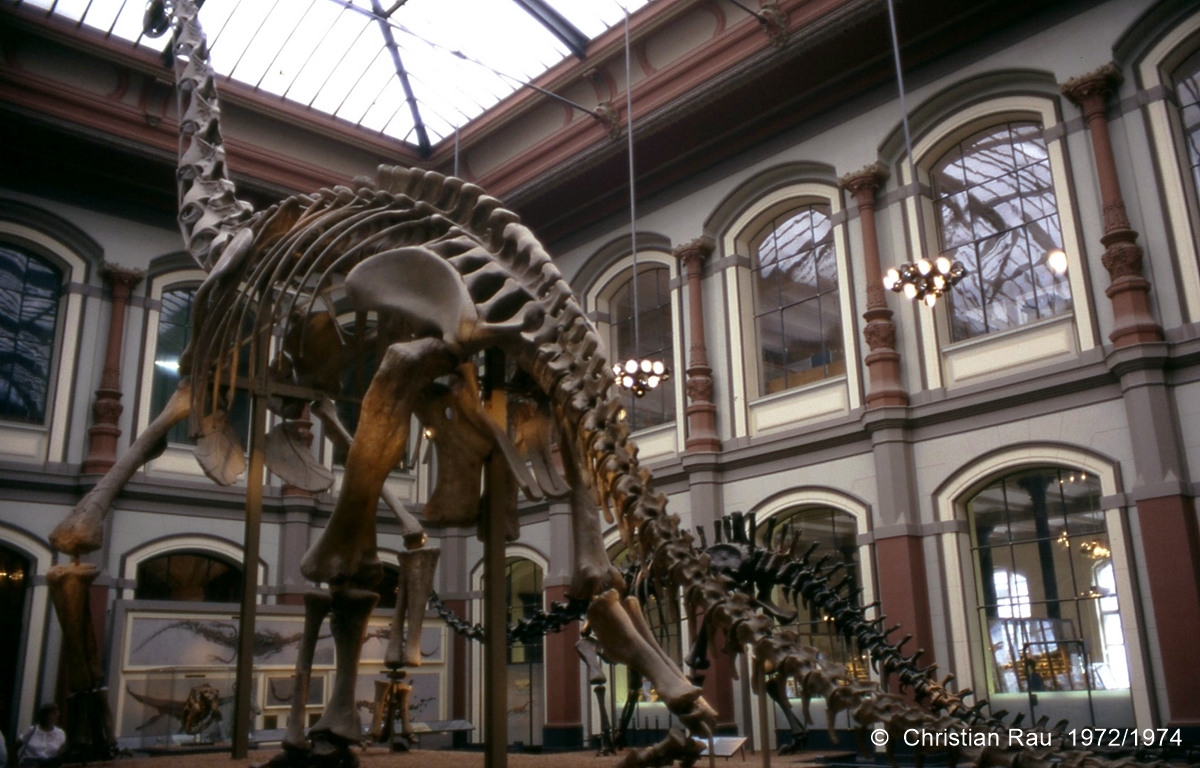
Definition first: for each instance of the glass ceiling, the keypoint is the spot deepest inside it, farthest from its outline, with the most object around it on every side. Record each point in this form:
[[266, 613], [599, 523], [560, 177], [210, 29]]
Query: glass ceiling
[[356, 59]]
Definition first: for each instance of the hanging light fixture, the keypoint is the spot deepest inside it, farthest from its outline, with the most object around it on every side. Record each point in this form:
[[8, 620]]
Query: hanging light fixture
[[924, 280], [637, 376], [640, 376]]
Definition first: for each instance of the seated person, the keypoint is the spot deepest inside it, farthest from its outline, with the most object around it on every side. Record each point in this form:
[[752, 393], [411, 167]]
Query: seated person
[[44, 743]]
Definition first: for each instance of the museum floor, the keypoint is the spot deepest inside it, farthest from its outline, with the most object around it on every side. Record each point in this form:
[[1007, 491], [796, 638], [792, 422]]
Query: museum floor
[[378, 757]]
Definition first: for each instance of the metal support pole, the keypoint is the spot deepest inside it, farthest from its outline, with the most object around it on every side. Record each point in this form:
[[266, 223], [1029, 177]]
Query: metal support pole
[[243, 708], [764, 727], [495, 618]]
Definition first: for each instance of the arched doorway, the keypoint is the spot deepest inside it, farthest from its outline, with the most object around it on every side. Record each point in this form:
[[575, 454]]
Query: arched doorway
[[834, 533], [526, 669], [14, 591]]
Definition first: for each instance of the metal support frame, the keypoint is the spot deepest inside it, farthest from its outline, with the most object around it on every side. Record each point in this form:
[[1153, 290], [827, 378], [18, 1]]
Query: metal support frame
[[559, 26]]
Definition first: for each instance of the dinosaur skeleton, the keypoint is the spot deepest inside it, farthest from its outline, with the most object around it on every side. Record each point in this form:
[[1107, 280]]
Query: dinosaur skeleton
[[449, 275]]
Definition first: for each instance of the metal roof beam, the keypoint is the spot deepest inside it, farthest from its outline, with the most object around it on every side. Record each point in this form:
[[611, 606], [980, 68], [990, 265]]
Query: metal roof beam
[[423, 145], [558, 25]]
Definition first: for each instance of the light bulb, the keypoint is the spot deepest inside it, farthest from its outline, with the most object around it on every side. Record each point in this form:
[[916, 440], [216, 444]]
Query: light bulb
[[930, 299], [627, 382], [910, 291], [891, 278], [652, 382], [1057, 261], [939, 282], [943, 265], [923, 266], [646, 366], [659, 368], [631, 366], [616, 369]]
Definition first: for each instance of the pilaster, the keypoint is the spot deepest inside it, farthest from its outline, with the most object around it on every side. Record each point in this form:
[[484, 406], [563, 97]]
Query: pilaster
[[107, 408], [1129, 291], [701, 410], [883, 361]]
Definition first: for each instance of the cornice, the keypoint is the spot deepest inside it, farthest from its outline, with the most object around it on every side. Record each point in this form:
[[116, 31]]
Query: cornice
[[72, 106]]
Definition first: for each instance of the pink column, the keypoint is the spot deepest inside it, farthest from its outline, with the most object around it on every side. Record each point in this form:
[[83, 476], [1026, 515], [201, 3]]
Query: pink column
[[883, 361], [103, 434], [1129, 291], [701, 411]]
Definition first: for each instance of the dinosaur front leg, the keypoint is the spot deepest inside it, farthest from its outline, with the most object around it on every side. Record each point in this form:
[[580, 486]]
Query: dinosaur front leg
[[346, 550], [410, 528], [83, 530], [625, 638], [345, 555]]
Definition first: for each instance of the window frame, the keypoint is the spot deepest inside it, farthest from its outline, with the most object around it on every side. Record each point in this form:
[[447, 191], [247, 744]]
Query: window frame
[[48, 441], [948, 364], [178, 458], [1180, 199], [966, 648], [839, 394], [212, 546], [666, 438]]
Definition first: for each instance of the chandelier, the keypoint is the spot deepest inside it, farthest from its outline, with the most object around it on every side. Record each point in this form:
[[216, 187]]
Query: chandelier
[[926, 280], [640, 376]]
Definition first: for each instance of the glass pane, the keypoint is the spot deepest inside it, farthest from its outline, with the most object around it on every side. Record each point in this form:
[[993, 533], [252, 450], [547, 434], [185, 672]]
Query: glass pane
[[986, 155], [995, 206], [1005, 272], [30, 288], [947, 174], [1028, 145], [954, 218], [967, 314], [805, 353], [770, 339]]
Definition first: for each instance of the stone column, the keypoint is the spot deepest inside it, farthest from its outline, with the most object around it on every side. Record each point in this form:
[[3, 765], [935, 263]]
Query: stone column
[[1129, 291], [104, 432], [883, 361], [563, 728], [701, 411]]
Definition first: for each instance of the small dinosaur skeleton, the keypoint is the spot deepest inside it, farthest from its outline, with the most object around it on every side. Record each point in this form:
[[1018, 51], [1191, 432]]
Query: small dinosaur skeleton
[[438, 275]]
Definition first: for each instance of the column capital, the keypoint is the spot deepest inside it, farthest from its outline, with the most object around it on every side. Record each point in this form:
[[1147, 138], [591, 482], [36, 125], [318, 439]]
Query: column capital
[[121, 277], [696, 250], [866, 180], [1100, 82]]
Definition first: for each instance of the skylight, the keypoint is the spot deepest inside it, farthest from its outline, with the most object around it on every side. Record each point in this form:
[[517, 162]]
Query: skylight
[[460, 57]]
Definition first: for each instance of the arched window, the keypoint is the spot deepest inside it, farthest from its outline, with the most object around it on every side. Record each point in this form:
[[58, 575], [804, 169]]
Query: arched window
[[15, 577], [654, 340], [189, 577], [835, 532], [1041, 547], [797, 311], [526, 673], [30, 288], [994, 203], [174, 333], [1187, 90]]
